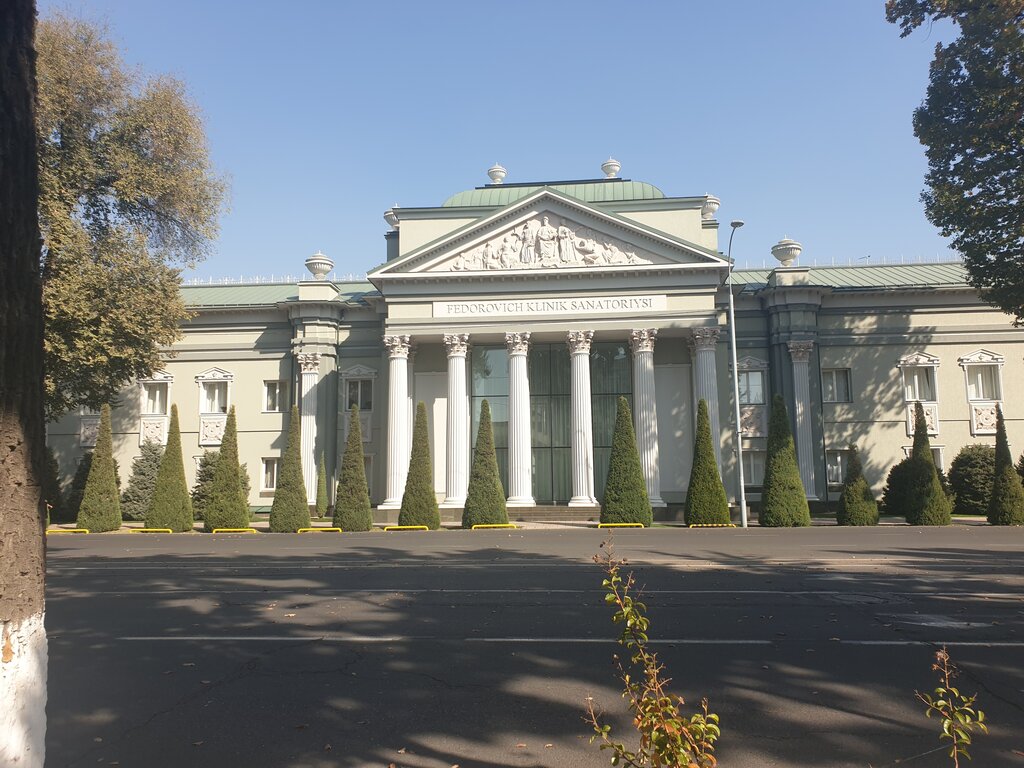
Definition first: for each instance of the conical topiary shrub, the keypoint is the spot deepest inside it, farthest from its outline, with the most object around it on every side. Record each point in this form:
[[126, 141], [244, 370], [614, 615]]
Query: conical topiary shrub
[[290, 510], [926, 500], [625, 492], [419, 504], [225, 506], [170, 505], [1006, 506], [101, 508], [783, 500], [485, 498], [971, 475], [204, 483], [352, 500], [142, 481], [857, 505], [322, 501], [706, 501], [73, 500], [51, 488]]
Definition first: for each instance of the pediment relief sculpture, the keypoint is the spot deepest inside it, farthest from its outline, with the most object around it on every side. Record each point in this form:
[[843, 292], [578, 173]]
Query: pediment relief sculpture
[[547, 242]]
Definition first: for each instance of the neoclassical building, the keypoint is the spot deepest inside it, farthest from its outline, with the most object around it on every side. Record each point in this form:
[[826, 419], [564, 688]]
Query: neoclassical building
[[550, 300]]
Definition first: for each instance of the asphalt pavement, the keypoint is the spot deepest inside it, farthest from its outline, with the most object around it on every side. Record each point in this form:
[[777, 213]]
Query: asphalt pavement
[[479, 649]]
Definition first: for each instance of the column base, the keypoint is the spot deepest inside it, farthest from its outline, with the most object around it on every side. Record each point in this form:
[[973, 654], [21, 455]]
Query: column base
[[658, 502], [390, 504], [520, 501], [583, 501], [452, 503]]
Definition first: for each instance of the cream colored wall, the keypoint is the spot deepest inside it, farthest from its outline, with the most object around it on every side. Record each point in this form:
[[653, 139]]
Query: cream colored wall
[[416, 232], [685, 224]]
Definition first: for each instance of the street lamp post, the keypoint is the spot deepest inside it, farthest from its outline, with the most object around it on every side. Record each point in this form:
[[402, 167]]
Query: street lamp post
[[736, 224]]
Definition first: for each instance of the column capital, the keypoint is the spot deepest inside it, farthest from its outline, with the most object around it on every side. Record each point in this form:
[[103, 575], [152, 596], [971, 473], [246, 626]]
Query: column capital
[[457, 344], [309, 362], [642, 339], [705, 338], [800, 351], [517, 343], [579, 342], [398, 346]]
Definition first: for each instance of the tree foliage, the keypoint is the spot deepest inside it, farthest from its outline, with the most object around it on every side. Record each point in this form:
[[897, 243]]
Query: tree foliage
[[51, 487], [419, 503], [225, 506], [783, 499], [625, 491], [970, 124], [925, 499], [1006, 504], [290, 510], [485, 498], [100, 509], [171, 506], [352, 510], [203, 487], [142, 481], [970, 476], [322, 501], [857, 505], [127, 194], [706, 500]]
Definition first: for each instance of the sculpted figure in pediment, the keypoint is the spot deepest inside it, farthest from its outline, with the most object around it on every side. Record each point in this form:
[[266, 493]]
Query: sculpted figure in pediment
[[547, 244], [529, 239], [567, 246]]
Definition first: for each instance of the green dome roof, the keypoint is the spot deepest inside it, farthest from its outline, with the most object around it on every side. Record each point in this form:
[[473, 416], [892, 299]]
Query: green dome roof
[[595, 191]]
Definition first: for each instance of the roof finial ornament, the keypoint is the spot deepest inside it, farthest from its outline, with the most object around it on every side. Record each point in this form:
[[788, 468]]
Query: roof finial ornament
[[611, 168], [710, 207], [787, 251], [497, 173], [319, 266], [391, 217]]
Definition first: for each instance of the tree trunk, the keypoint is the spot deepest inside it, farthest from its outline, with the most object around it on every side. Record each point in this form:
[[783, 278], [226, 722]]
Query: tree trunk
[[22, 556]]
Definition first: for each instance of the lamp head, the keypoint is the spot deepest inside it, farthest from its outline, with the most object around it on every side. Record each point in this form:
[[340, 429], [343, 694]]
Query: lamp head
[[736, 223]]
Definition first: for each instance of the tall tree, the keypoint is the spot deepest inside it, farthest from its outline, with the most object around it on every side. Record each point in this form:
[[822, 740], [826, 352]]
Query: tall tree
[[706, 500], [127, 197], [1006, 505], [170, 505], [857, 505], [22, 514], [625, 491], [141, 482], [226, 507], [290, 510], [925, 498], [419, 502], [322, 502], [100, 509], [352, 500], [970, 124], [485, 498], [783, 498]]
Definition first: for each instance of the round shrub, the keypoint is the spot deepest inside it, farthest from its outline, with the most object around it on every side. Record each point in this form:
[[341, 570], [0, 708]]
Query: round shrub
[[970, 476]]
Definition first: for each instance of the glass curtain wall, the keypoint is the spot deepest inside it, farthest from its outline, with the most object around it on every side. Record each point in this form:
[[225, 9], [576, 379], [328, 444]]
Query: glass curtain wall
[[489, 368], [611, 375], [550, 423]]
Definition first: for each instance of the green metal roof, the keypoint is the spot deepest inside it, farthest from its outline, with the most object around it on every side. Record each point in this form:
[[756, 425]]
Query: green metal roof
[[592, 191], [945, 275], [261, 294]]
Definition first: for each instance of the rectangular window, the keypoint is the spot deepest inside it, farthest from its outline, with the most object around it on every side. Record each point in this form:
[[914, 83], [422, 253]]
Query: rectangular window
[[274, 400], [154, 398], [215, 397], [269, 476], [360, 393], [753, 467], [983, 382], [936, 455], [919, 383], [751, 387], [835, 385], [836, 463]]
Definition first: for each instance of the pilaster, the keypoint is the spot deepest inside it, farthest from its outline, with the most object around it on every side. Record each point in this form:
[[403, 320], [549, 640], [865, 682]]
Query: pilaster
[[800, 353], [705, 341], [309, 366]]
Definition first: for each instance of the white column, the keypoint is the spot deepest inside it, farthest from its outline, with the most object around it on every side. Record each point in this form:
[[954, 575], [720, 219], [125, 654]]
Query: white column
[[458, 447], [398, 419], [582, 422], [520, 460], [645, 410], [309, 365], [800, 352], [706, 374]]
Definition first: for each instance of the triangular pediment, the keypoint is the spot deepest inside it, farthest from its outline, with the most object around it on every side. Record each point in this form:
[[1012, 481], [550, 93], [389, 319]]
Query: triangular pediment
[[549, 232]]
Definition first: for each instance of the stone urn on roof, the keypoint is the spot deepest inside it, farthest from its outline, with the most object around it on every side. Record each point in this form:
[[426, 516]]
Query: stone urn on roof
[[319, 266], [787, 251]]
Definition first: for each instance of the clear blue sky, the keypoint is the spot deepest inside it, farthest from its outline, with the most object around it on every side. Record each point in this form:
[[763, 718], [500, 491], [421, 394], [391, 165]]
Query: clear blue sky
[[796, 113]]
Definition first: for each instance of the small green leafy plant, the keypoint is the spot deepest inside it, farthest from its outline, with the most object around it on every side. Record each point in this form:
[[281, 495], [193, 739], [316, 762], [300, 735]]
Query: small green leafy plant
[[668, 737], [959, 717]]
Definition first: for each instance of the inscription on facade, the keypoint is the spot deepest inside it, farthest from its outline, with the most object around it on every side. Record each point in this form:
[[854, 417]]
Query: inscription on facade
[[543, 307]]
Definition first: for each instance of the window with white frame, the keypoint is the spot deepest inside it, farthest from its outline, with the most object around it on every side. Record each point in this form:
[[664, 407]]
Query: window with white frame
[[918, 371], [275, 396], [751, 387], [835, 385], [268, 478], [753, 467], [836, 464], [154, 398], [359, 392], [936, 455], [983, 371], [214, 391]]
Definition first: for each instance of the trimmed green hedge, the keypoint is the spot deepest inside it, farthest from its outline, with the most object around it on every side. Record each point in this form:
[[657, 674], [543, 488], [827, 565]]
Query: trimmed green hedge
[[925, 498], [290, 510], [783, 499], [706, 501], [971, 475], [485, 498], [625, 492], [352, 499], [100, 509], [170, 505], [419, 504], [225, 506], [1006, 507], [857, 505]]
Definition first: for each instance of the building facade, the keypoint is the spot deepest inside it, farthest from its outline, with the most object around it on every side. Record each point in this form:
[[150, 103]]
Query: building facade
[[551, 300]]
